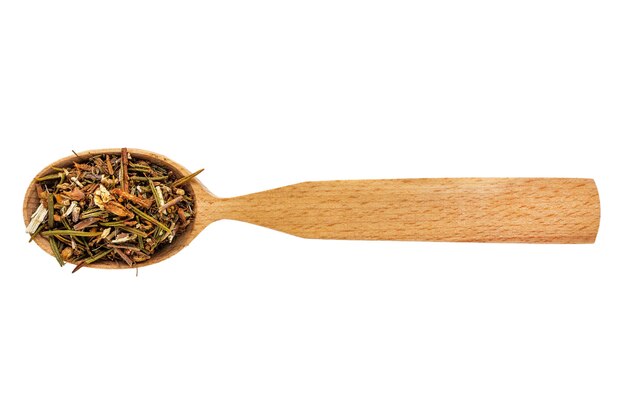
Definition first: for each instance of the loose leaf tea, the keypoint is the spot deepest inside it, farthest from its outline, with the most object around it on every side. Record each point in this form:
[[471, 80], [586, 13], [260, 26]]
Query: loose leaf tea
[[111, 208]]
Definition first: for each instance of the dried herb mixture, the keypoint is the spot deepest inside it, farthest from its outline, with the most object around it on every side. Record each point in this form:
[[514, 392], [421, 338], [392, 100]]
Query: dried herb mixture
[[111, 207]]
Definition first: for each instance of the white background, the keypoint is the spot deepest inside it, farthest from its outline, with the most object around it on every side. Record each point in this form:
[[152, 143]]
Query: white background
[[247, 321]]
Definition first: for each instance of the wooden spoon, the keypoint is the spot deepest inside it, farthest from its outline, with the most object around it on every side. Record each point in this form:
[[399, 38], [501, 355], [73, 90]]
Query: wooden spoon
[[523, 210]]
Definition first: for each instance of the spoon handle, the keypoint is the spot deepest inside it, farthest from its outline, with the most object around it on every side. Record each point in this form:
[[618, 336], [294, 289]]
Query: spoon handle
[[529, 210]]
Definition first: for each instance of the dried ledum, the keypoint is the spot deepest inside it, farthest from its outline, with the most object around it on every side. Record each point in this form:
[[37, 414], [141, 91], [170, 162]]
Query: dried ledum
[[111, 207]]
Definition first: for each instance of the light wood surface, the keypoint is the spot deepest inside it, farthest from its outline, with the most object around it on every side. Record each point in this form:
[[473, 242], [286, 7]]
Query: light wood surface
[[523, 210], [537, 210]]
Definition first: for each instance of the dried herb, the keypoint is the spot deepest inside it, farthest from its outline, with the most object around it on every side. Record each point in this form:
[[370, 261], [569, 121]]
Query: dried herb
[[111, 208]]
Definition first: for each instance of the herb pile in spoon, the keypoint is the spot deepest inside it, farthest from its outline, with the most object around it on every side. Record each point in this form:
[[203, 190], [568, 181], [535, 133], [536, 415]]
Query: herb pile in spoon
[[111, 207]]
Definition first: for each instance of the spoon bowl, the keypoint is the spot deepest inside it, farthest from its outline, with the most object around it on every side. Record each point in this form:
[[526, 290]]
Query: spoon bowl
[[202, 203]]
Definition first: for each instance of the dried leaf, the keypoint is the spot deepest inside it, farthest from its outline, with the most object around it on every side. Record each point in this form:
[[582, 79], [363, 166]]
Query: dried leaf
[[109, 166], [76, 194], [66, 253], [86, 223], [118, 209], [143, 202], [82, 167]]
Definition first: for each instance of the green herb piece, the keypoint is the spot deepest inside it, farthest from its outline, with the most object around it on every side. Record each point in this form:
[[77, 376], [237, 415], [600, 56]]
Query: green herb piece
[[50, 211], [49, 177], [133, 230], [69, 233], [55, 250], [138, 178], [185, 179], [149, 218]]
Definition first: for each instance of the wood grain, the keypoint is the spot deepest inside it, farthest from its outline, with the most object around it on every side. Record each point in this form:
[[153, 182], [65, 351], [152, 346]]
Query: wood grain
[[524, 210], [529, 210]]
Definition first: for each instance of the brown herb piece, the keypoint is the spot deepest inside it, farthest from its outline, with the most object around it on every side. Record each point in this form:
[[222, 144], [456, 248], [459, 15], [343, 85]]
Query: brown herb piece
[[143, 202], [86, 223], [76, 194], [124, 176], [117, 209], [171, 203]]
